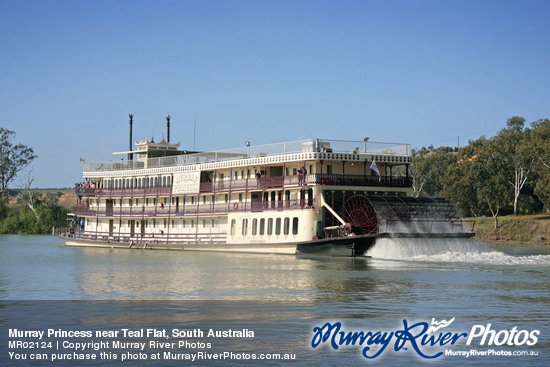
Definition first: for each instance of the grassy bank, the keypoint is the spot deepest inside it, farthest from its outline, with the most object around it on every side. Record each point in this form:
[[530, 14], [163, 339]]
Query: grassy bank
[[523, 228]]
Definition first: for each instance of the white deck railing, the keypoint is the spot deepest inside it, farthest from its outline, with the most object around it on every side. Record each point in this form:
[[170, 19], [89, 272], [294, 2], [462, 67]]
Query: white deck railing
[[292, 147]]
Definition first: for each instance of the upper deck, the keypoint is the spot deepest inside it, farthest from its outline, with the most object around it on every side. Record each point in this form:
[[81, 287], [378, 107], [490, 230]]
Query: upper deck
[[287, 151]]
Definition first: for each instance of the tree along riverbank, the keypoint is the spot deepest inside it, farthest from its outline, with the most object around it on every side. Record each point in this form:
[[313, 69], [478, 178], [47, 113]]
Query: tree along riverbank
[[34, 211], [522, 228]]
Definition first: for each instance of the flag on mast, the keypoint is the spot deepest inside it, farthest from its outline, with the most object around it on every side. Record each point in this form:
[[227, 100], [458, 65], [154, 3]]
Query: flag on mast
[[374, 167]]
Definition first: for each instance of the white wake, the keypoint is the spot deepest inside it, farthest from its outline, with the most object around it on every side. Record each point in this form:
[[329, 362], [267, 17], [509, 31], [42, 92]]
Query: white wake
[[448, 250]]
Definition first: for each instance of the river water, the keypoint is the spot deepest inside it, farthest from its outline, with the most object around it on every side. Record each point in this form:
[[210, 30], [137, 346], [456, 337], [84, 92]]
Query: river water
[[44, 284]]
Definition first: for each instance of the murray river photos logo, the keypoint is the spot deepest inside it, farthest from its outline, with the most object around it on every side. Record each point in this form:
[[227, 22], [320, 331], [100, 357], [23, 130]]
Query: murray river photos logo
[[426, 339]]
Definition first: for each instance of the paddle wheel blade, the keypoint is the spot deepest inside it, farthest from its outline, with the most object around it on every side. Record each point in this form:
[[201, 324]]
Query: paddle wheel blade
[[358, 211]]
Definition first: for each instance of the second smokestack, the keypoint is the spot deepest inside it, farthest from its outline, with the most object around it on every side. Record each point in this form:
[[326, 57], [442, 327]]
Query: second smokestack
[[168, 129], [130, 155]]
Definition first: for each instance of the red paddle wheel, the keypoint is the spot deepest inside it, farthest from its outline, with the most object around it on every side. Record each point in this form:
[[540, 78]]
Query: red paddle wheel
[[358, 212]]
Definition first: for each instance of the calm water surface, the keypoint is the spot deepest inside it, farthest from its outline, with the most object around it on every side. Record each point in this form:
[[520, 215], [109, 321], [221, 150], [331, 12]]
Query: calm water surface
[[506, 286]]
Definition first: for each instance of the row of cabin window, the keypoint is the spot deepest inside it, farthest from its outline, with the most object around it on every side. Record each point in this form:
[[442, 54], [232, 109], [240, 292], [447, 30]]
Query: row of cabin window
[[207, 199], [141, 182], [206, 223], [136, 182], [261, 229], [251, 173]]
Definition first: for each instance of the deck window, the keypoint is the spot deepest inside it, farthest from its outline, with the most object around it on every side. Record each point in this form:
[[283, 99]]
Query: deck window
[[254, 226], [233, 225], [270, 226], [262, 226], [244, 229], [278, 226], [295, 225], [287, 226]]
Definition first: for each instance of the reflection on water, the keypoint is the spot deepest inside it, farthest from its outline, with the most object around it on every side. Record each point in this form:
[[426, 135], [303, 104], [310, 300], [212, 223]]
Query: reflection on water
[[146, 274], [40, 267]]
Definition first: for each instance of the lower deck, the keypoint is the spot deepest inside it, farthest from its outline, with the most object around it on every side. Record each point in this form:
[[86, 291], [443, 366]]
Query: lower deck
[[348, 246]]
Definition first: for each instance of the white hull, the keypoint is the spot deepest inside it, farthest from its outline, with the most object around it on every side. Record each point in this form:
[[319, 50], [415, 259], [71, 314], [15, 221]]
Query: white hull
[[286, 249]]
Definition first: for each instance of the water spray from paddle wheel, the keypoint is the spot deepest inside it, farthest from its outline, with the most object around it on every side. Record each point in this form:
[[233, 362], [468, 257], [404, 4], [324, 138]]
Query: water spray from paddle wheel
[[358, 211]]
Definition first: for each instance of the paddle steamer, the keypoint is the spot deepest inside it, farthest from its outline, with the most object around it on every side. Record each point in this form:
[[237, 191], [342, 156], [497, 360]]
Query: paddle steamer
[[313, 196]]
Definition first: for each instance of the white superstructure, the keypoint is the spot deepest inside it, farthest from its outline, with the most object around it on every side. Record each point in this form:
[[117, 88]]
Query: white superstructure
[[265, 198]]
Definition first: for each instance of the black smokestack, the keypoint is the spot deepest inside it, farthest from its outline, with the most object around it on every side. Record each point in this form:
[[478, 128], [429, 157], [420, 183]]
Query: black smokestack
[[168, 129], [130, 155]]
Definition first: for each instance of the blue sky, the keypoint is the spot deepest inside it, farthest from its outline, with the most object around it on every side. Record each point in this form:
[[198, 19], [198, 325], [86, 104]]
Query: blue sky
[[418, 72]]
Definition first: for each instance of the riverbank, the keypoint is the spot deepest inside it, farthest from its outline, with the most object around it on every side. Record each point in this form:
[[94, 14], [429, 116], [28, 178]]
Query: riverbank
[[522, 228], [65, 196]]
